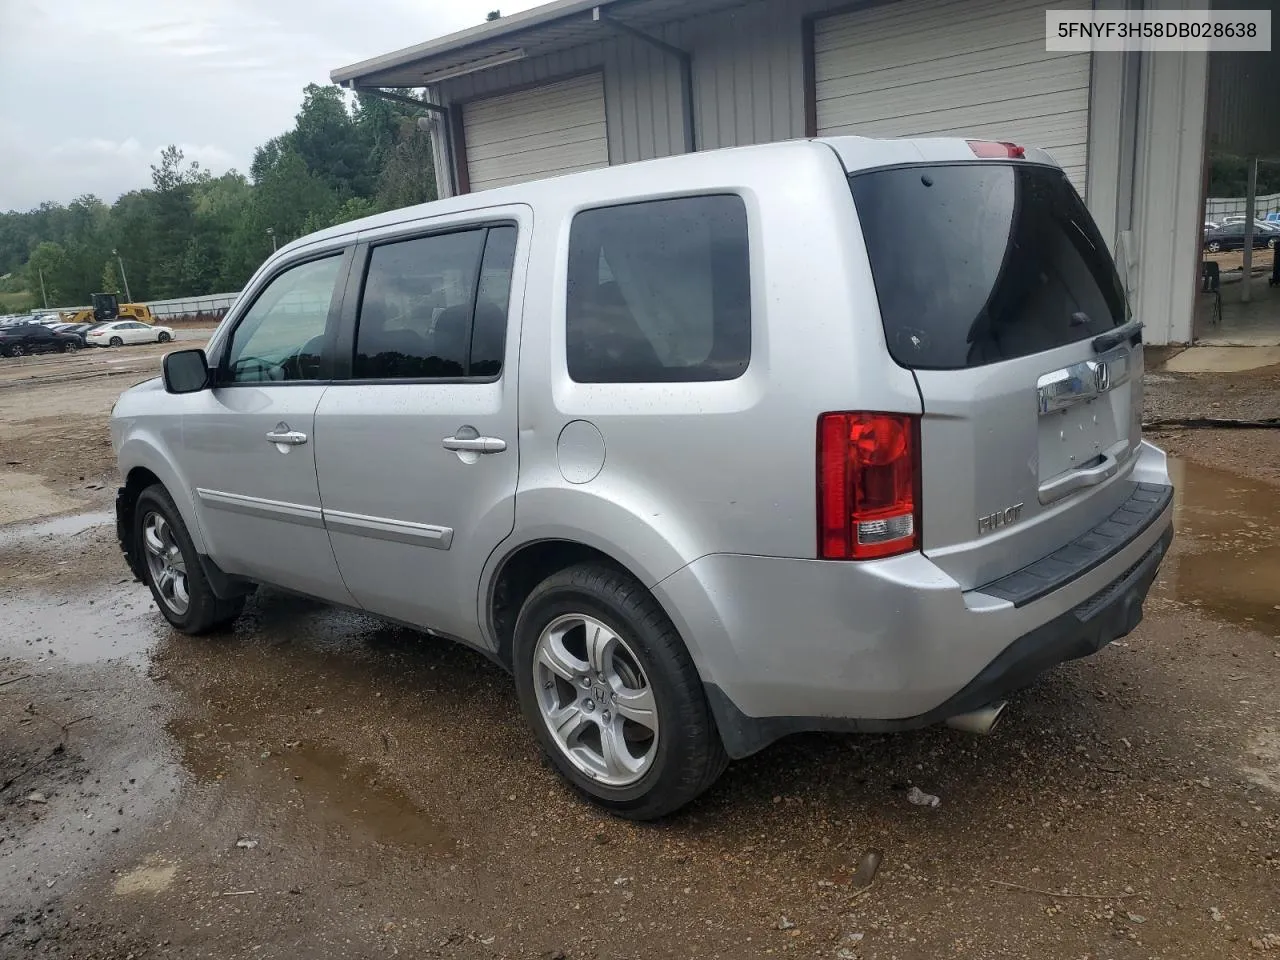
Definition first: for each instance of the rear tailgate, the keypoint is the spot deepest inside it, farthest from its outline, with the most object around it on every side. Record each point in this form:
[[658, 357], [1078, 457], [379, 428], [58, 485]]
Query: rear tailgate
[[1000, 296]]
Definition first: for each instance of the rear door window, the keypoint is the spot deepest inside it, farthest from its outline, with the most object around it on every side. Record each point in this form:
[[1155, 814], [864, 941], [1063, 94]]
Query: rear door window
[[435, 307], [982, 262]]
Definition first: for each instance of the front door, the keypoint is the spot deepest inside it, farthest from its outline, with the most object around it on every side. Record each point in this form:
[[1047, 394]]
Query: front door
[[40, 339], [416, 452], [249, 443]]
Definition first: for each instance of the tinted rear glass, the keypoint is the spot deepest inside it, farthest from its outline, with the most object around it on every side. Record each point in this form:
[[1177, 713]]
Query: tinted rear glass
[[981, 262]]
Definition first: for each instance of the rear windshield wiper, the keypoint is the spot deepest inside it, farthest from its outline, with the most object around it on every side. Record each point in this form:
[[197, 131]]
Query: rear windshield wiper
[[1131, 331]]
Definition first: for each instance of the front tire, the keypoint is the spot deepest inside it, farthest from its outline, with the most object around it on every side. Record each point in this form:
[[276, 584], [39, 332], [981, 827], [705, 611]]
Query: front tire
[[70, 347], [612, 693], [1213, 246], [163, 338], [16, 351], [173, 570]]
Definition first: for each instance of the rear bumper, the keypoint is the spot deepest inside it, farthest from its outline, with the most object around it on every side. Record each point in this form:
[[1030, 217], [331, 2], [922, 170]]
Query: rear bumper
[[1084, 630], [788, 645]]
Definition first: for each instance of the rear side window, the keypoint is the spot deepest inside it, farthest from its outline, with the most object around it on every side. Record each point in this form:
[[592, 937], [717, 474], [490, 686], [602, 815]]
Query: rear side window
[[978, 263], [659, 292], [436, 307]]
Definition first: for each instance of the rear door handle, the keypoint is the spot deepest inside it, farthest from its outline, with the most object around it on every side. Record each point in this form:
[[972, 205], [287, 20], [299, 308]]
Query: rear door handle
[[475, 444], [292, 438]]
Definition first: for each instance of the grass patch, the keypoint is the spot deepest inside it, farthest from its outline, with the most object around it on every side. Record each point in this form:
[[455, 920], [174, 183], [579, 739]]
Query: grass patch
[[20, 302]]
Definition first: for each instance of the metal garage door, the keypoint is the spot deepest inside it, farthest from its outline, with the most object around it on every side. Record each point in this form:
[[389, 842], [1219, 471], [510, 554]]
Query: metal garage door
[[953, 68], [542, 132]]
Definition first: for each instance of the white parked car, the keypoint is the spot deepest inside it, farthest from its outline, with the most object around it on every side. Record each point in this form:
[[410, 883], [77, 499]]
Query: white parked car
[[120, 332]]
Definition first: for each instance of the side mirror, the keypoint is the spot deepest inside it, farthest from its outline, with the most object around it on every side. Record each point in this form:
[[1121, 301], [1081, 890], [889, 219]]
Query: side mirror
[[186, 371]]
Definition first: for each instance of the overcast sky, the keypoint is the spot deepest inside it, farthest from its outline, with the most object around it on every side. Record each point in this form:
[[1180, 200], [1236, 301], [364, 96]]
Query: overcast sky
[[92, 90]]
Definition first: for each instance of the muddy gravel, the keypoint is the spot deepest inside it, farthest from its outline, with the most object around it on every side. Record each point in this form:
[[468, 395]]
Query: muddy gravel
[[316, 784]]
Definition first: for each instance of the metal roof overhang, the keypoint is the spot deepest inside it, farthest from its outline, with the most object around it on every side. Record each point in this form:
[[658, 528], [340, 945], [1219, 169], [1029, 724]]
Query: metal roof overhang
[[545, 29]]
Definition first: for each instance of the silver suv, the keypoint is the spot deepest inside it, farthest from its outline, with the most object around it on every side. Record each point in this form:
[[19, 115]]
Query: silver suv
[[825, 435]]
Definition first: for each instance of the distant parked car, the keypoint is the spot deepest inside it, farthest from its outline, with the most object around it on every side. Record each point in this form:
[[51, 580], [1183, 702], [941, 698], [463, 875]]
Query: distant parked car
[[1230, 236], [25, 338], [1259, 224], [119, 332]]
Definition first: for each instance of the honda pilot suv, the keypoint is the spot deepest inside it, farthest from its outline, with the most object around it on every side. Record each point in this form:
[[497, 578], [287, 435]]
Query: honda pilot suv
[[832, 435]]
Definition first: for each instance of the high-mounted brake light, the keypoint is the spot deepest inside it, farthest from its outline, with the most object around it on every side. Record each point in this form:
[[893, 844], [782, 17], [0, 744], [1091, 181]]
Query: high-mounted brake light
[[997, 149], [868, 485]]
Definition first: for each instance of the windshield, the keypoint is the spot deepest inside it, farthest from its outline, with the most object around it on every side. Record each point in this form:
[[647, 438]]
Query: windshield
[[975, 263]]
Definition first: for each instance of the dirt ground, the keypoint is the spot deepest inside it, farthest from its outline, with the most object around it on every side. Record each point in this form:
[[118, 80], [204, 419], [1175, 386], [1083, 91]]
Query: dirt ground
[[317, 784]]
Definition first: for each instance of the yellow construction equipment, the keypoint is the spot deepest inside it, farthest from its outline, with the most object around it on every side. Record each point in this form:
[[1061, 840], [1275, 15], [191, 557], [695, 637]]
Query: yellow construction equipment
[[107, 306]]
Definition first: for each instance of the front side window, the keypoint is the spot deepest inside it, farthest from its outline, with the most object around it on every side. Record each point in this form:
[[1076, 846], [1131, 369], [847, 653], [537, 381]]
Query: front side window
[[659, 292], [436, 307], [282, 335]]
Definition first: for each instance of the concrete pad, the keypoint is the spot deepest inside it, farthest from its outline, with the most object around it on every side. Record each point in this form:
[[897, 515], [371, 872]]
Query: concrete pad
[[1222, 359]]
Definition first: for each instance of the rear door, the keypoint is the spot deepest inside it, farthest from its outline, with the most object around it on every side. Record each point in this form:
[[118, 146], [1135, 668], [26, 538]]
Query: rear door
[[997, 291], [416, 441]]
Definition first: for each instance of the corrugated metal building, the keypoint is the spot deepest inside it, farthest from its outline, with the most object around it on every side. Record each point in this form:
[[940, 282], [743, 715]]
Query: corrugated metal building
[[577, 84]]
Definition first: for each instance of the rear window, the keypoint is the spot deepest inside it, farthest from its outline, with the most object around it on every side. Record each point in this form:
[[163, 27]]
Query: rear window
[[982, 262]]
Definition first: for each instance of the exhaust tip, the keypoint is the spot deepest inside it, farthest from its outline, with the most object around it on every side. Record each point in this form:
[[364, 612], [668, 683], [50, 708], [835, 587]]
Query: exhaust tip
[[981, 721]]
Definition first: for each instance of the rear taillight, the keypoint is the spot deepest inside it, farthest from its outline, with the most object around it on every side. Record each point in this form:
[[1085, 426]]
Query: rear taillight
[[868, 485], [997, 149]]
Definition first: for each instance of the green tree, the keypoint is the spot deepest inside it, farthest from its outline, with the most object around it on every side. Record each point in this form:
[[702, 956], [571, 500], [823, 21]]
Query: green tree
[[329, 141], [409, 171], [109, 284], [49, 264]]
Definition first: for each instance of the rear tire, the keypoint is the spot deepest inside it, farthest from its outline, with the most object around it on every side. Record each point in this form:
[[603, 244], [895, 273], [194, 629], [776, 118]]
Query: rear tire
[[648, 668], [172, 567], [1213, 246], [116, 342]]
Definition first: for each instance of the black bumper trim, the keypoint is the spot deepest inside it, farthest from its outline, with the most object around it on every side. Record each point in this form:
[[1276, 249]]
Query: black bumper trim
[[1108, 615], [1145, 504]]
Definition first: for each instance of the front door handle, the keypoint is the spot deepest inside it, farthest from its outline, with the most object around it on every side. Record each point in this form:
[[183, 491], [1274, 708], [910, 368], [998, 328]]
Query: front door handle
[[292, 438], [475, 444]]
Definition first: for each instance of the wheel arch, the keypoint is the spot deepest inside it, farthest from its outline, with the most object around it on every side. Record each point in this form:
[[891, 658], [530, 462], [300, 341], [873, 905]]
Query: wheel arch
[[142, 463], [517, 570]]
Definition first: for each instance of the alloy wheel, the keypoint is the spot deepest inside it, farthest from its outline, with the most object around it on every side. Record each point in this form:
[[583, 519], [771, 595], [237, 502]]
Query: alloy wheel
[[595, 699], [165, 562]]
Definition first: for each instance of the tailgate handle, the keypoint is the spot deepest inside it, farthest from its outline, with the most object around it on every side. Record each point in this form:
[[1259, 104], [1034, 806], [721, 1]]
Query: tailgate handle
[[1131, 331], [1068, 484]]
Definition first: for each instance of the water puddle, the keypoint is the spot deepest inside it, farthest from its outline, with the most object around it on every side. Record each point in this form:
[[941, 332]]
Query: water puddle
[[117, 623], [342, 796], [65, 526], [1228, 563]]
